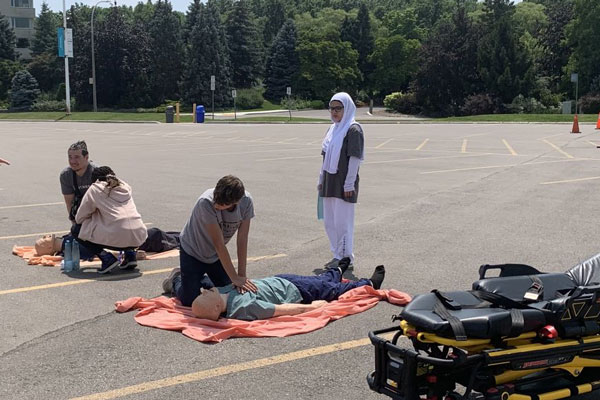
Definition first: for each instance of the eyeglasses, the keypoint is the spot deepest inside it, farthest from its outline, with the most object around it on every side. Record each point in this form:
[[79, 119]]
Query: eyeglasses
[[336, 109]]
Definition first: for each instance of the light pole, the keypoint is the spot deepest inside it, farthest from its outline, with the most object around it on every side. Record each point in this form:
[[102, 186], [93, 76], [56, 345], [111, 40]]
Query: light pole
[[93, 58]]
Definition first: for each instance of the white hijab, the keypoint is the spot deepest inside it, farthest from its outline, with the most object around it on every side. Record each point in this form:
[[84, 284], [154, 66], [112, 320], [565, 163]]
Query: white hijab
[[332, 144]]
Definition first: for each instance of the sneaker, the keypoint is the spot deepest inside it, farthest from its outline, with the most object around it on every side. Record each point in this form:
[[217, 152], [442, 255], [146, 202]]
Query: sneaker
[[333, 263], [167, 284], [343, 264], [129, 260], [109, 262]]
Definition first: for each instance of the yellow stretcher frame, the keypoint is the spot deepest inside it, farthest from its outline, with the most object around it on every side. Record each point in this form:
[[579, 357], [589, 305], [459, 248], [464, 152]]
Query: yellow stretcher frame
[[520, 344]]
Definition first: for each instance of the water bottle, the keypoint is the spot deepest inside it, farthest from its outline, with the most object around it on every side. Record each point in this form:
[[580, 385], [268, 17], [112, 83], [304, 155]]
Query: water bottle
[[68, 256], [75, 255], [320, 208]]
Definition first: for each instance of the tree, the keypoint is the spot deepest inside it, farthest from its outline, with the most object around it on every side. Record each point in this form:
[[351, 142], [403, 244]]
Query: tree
[[7, 40], [275, 13], [503, 65], [244, 46], [283, 63], [554, 40], [166, 49], [205, 58], [44, 40], [24, 91], [585, 38], [8, 69], [122, 62], [448, 66], [327, 67], [395, 59], [365, 42]]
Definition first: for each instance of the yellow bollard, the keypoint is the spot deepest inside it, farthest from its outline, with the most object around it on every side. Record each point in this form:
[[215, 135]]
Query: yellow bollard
[[177, 112], [194, 113]]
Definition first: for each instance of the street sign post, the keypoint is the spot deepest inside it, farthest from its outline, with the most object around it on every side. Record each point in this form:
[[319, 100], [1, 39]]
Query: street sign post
[[575, 80], [288, 91], [234, 95], [212, 89]]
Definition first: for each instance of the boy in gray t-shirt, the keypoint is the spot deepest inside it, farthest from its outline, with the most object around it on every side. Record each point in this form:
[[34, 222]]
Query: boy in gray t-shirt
[[204, 259]]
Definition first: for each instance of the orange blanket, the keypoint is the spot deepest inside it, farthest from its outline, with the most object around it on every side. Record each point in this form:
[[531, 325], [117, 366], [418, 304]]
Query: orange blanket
[[168, 313], [28, 254]]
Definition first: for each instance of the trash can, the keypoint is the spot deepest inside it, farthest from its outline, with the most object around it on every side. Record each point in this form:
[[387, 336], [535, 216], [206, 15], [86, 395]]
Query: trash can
[[199, 114], [169, 113]]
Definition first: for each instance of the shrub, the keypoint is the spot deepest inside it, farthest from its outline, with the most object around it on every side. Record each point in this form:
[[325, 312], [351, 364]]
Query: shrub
[[590, 103], [24, 91], [249, 98], [526, 105], [405, 103], [49, 105], [477, 104], [294, 103]]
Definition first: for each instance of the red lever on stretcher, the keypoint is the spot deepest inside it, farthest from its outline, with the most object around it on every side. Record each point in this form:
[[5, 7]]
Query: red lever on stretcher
[[548, 332]]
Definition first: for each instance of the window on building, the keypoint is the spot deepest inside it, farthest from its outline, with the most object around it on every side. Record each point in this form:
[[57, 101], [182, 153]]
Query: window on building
[[21, 22], [22, 43], [21, 3]]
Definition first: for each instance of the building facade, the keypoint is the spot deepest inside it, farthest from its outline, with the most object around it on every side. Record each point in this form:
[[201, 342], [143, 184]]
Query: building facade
[[21, 15]]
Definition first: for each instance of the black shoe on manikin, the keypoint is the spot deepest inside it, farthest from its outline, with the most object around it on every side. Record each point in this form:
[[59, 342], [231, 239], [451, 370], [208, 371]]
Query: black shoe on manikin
[[343, 264], [377, 277]]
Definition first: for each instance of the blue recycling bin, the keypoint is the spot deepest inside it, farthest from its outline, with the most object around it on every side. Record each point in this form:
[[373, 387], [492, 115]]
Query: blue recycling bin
[[199, 114]]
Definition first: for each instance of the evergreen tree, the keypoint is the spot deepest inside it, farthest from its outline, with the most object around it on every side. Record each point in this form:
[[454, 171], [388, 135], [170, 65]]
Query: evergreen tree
[[122, 62], [275, 18], [24, 91], [44, 40], [365, 42], [448, 66], [556, 50], [503, 64], [283, 64], [166, 50], [7, 40], [585, 39], [244, 46], [8, 69], [349, 32], [191, 20], [80, 66], [207, 54]]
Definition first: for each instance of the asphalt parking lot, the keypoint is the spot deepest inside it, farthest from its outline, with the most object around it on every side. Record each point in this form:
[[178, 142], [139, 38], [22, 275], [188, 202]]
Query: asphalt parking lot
[[436, 201]]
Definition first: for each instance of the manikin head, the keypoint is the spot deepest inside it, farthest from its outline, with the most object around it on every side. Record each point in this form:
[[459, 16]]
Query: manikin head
[[48, 245], [209, 305], [78, 156]]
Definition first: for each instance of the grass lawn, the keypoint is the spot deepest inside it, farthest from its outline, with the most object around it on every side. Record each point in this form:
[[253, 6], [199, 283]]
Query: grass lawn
[[520, 118]]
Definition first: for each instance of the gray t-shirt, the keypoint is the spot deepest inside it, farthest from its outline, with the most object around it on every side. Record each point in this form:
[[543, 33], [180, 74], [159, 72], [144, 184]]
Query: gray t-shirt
[[195, 239], [333, 184], [67, 186], [260, 305]]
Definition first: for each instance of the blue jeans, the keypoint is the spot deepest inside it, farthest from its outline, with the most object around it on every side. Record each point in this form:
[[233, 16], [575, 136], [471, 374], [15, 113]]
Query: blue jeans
[[196, 275], [326, 286]]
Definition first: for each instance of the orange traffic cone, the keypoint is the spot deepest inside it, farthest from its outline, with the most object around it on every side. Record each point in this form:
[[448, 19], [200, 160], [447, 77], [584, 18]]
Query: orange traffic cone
[[598, 123], [575, 128]]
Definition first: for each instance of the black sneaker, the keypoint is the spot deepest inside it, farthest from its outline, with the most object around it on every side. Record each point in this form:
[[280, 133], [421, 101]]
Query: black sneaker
[[109, 262], [333, 263], [377, 277], [129, 260], [343, 264]]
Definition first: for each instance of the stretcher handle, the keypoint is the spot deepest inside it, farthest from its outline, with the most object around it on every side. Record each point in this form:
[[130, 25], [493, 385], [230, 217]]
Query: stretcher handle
[[508, 270]]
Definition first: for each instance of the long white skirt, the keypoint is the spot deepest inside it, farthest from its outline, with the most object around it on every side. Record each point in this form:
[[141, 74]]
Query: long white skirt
[[338, 216]]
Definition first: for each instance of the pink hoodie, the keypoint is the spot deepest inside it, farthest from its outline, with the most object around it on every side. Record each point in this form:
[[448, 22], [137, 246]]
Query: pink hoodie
[[109, 217]]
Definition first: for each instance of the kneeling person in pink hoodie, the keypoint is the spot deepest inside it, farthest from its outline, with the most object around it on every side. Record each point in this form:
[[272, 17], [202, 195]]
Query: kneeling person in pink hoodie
[[108, 218]]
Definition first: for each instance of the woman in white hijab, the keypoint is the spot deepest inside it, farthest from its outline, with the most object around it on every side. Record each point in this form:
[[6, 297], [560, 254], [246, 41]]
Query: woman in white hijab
[[343, 151]]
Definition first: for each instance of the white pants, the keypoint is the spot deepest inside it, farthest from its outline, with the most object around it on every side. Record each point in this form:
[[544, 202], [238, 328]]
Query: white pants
[[338, 216]]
